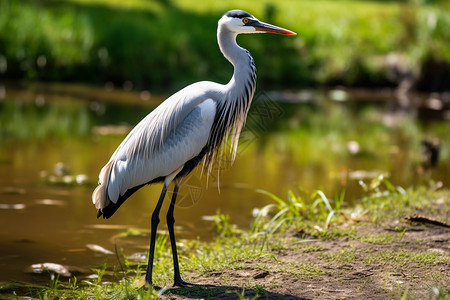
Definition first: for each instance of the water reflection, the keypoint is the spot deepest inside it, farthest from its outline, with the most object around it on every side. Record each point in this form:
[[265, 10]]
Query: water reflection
[[51, 137]]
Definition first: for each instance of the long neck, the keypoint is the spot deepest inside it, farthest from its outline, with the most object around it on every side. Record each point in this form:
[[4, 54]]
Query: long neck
[[238, 93], [243, 82]]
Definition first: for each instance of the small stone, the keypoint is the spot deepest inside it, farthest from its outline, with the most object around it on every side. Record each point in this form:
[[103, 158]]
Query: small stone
[[261, 275]]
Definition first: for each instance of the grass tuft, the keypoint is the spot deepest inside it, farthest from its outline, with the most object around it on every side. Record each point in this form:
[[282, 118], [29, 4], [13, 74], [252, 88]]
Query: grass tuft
[[406, 257]]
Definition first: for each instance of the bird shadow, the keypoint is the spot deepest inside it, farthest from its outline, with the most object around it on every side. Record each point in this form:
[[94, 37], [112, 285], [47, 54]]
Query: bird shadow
[[226, 292]]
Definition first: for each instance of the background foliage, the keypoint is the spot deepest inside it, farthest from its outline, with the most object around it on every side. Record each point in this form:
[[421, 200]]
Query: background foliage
[[168, 43]]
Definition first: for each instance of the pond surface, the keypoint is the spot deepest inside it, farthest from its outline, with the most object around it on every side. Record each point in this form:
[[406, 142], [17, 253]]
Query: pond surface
[[55, 140]]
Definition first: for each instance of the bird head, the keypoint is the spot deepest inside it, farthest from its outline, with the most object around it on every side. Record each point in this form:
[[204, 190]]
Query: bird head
[[239, 21]]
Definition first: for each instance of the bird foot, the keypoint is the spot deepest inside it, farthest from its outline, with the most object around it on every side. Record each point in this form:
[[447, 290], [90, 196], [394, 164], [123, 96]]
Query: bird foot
[[181, 283]]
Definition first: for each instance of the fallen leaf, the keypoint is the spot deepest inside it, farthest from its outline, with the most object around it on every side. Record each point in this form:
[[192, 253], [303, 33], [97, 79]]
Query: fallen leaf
[[16, 206], [49, 267], [99, 249]]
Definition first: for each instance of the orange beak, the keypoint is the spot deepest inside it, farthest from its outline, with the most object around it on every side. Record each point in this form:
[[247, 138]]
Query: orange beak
[[265, 27]]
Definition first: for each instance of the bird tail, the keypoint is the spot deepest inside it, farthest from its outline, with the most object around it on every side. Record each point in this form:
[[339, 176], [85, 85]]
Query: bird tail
[[100, 196]]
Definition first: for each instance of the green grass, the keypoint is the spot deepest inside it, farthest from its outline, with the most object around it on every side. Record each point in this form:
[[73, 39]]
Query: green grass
[[233, 249], [377, 239], [126, 288], [294, 209], [405, 257], [345, 256], [303, 270], [155, 44], [312, 248]]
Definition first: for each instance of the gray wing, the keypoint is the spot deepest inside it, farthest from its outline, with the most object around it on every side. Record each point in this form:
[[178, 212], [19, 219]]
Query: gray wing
[[173, 133]]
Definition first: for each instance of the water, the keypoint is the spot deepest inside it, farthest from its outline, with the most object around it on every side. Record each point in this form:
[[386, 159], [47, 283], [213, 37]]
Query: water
[[55, 139]]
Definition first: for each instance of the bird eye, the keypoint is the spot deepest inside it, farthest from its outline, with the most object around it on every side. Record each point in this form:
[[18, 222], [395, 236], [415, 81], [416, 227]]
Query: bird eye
[[245, 20]]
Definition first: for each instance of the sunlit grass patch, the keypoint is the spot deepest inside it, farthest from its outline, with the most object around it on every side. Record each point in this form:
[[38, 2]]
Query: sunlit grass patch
[[321, 217], [99, 288], [294, 209], [303, 270], [334, 232], [376, 239], [342, 257], [382, 196], [406, 257], [225, 254], [312, 248]]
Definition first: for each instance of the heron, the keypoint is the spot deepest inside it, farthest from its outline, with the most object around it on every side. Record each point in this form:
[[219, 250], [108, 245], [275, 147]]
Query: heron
[[183, 130]]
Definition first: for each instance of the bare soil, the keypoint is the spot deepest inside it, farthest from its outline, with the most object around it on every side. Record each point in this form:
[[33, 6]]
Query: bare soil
[[375, 262]]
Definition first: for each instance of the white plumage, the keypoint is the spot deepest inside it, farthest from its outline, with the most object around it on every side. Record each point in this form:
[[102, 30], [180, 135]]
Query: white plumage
[[158, 145], [187, 127]]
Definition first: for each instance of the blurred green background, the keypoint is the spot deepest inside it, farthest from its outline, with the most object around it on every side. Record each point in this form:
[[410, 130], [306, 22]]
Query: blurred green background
[[166, 44]]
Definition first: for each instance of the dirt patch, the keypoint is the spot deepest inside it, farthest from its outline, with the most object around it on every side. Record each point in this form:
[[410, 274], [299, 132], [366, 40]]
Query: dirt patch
[[369, 262]]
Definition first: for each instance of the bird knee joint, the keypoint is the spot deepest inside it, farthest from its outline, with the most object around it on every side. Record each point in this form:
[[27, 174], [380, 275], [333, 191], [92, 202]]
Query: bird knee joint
[[170, 220], [155, 220]]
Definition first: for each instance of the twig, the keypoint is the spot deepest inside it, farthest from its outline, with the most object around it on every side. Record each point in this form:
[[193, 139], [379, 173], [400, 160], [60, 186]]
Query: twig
[[426, 220]]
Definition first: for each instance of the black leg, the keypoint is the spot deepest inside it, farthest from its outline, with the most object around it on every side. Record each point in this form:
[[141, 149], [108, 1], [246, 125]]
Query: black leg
[[170, 222], [155, 222]]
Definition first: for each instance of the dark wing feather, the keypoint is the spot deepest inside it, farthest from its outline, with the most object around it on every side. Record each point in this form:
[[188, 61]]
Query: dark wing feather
[[109, 210]]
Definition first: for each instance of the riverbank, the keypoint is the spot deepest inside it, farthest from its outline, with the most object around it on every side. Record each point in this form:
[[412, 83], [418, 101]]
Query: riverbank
[[370, 251], [370, 262], [392, 244]]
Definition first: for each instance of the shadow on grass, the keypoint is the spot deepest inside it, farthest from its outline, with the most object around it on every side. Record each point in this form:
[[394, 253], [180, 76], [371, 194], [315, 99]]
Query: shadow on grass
[[226, 292]]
